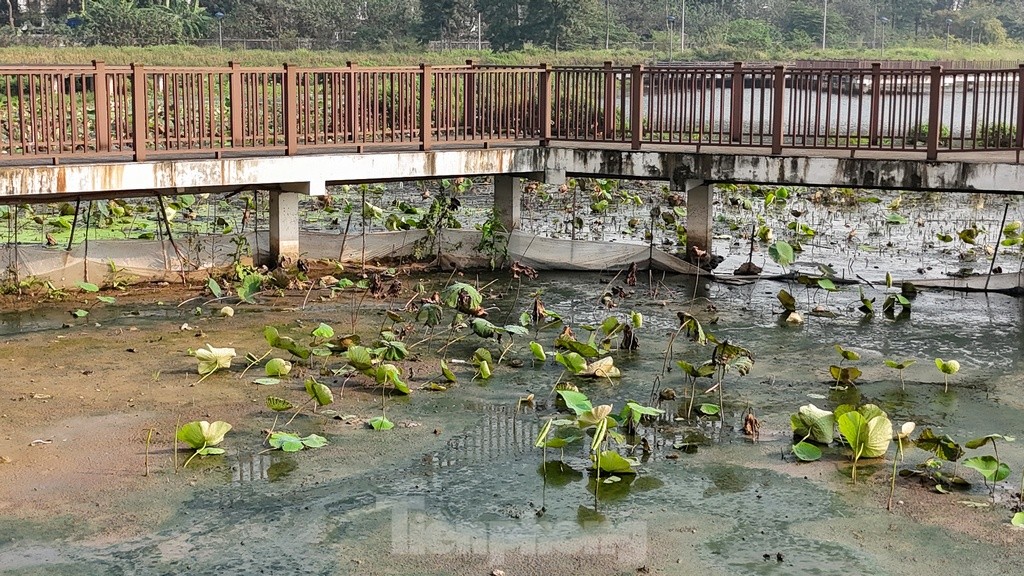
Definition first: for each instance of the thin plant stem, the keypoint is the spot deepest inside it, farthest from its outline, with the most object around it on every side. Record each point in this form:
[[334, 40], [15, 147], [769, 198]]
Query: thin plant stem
[[149, 437], [892, 483], [185, 465], [177, 425]]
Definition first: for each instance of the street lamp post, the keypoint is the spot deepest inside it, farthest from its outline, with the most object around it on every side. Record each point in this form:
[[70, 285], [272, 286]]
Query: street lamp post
[[682, 32], [607, 25], [220, 28], [949, 22], [824, 24], [884, 21], [671, 25], [972, 33]]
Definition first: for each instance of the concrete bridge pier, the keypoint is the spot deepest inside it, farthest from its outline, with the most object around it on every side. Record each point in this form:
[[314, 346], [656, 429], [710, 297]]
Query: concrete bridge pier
[[699, 197], [508, 194], [284, 219], [508, 197]]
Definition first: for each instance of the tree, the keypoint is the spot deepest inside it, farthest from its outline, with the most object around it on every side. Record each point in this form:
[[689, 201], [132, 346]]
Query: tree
[[559, 23], [445, 19]]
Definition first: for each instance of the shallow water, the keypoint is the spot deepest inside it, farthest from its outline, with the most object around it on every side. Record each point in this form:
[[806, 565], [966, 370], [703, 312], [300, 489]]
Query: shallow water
[[477, 496]]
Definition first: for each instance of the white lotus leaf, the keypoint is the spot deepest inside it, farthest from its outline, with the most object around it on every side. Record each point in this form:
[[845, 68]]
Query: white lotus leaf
[[212, 359]]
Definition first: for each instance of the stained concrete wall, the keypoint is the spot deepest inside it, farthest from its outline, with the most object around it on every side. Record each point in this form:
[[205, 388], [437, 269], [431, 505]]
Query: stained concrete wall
[[312, 172]]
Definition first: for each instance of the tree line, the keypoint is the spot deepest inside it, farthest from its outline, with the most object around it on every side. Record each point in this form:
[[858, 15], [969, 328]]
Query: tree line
[[706, 28]]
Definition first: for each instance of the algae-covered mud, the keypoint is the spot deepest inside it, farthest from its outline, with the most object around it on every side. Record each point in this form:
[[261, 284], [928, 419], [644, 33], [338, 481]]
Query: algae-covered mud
[[93, 481]]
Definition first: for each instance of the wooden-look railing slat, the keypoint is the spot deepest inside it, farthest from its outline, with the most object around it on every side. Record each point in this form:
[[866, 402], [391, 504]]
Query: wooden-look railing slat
[[143, 112]]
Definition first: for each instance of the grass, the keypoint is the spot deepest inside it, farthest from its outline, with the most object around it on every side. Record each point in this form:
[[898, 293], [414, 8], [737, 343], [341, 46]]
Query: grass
[[929, 50]]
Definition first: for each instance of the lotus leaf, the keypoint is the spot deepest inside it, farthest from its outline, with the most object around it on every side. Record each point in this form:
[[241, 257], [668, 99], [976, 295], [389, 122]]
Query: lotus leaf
[[212, 359], [614, 463], [806, 451], [538, 351], [944, 447], [594, 416], [575, 401], [993, 470], [278, 404], [815, 423], [381, 423], [603, 368], [319, 392], [572, 361], [200, 434], [278, 367]]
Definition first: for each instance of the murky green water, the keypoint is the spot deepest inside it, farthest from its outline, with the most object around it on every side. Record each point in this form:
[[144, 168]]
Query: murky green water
[[476, 495]]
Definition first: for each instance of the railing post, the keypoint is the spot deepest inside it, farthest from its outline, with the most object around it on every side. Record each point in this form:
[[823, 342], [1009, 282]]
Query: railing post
[[876, 96], [545, 104], [778, 108], [934, 111], [636, 97], [470, 103], [736, 103], [609, 97], [1019, 128], [140, 119], [291, 110], [235, 87], [426, 118], [350, 100], [102, 106]]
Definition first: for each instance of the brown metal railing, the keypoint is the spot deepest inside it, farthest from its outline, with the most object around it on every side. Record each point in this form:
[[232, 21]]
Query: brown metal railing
[[53, 112]]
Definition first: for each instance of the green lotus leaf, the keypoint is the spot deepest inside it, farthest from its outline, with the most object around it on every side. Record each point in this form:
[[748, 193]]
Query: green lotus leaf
[[979, 442], [199, 434], [381, 423], [314, 441], [278, 404], [993, 470], [319, 392], [286, 442], [806, 451], [572, 361], [614, 463], [575, 401], [278, 367], [814, 422], [538, 351]]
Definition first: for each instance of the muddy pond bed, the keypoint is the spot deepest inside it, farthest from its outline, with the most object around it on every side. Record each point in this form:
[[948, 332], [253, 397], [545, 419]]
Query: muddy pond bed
[[458, 485], [409, 422]]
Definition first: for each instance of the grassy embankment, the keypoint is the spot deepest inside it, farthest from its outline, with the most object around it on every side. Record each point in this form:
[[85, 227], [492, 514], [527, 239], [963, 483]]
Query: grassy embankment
[[204, 56]]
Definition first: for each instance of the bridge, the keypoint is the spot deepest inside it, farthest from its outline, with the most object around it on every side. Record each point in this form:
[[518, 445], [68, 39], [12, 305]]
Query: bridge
[[99, 131]]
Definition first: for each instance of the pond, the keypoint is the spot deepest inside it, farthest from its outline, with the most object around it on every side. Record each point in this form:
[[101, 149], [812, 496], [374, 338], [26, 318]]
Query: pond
[[93, 481], [459, 486]]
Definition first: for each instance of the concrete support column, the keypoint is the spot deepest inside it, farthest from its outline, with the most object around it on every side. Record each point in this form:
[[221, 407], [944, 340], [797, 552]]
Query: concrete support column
[[699, 196], [508, 194], [284, 226]]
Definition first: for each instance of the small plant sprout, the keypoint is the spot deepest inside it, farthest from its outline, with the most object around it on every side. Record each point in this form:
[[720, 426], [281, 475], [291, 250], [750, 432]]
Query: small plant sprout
[[212, 359], [990, 467], [728, 356], [203, 437], [789, 312], [947, 367], [705, 370], [867, 430], [945, 449], [905, 431], [900, 367], [845, 375]]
